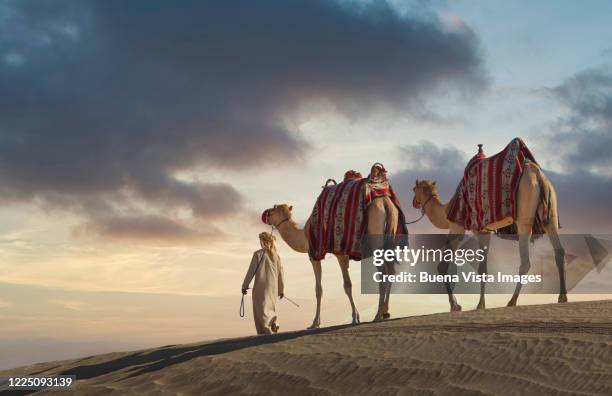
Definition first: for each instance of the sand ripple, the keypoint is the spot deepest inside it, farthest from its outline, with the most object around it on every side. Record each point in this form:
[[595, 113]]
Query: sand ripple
[[545, 349]]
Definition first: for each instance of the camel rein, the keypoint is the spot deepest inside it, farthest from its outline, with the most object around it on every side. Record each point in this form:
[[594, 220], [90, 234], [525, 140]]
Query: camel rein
[[275, 227]]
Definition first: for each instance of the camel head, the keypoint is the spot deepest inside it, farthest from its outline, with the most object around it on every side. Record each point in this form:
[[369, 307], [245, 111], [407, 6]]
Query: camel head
[[276, 214], [423, 191]]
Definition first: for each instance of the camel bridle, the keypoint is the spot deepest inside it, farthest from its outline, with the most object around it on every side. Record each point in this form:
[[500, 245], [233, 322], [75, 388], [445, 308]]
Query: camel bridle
[[280, 222], [274, 225], [422, 209]]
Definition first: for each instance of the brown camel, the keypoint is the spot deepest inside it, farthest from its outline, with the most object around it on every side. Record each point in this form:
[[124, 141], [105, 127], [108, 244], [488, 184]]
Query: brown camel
[[533, 186], [382, 215]]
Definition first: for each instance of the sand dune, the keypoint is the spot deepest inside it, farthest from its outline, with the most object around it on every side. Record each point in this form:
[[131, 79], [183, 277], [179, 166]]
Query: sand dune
[[541, 349]]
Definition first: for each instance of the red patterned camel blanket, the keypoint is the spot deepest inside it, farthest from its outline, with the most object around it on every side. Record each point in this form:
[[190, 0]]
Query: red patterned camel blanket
[[488, 191], [339, 218]]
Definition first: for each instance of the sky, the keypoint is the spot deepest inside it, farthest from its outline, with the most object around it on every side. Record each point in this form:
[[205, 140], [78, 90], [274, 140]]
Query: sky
[[140, 142]]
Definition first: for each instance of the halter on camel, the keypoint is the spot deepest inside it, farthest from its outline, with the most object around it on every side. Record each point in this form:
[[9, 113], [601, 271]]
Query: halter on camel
[[417, 205], [265, 218]]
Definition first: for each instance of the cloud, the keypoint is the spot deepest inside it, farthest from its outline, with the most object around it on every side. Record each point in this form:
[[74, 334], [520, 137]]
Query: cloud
[[105, 103], [582, 141], [155, 229], [425, 160], [427, 156], [580, 144], [584, 202], [5, 304], [577, 143], [75, 305]]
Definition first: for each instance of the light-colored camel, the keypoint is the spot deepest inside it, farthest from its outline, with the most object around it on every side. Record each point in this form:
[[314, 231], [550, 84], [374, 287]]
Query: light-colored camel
[[382, 217], [534, 189]]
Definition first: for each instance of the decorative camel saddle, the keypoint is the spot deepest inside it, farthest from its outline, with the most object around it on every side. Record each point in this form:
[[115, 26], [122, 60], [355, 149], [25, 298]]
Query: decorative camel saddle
[[339, 217], [488, 191]]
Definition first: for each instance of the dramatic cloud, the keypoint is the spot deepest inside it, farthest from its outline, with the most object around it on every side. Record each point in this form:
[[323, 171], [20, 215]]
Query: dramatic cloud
[[427, 156], [584, 202], [582, 141], [425, 160], [144, 228], [580, 145], [105, 102]]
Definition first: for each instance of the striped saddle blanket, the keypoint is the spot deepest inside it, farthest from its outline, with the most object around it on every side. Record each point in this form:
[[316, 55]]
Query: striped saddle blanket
[[339, 218], [488, 191]]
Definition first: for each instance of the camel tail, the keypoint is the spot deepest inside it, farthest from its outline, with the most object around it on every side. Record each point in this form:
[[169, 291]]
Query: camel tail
[[546, 213]]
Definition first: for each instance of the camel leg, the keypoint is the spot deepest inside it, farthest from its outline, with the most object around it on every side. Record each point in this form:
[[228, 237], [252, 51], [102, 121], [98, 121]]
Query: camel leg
[[443, 270], [560, 260], [528, 197], [348, 285], [392, 220], [376, 228], [452, 242], [390, 271], [316, 266], [382, 293], [552, 229], [524, 236], [483, 242]]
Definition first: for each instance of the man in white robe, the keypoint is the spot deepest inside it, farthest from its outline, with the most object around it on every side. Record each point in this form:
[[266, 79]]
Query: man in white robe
[[267, 270]]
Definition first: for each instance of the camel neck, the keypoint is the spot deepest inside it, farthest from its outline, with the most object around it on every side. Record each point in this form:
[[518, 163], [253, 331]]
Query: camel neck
[[293, 236], [435, 211]]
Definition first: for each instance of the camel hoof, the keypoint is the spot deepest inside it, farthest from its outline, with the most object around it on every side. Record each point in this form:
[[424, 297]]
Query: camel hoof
[[386, 315], [455, 308], [315, 324], [562, 298], [511, 303], [377, 318], [356, 319], [481, 306]]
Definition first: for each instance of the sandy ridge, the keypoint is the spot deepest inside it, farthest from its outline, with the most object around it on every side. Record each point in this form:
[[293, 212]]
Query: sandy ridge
[[542, 349]]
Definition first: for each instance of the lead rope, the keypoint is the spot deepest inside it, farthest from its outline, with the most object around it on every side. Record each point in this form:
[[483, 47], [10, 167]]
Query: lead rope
[[417, 220], [241, 311], [422, 212]]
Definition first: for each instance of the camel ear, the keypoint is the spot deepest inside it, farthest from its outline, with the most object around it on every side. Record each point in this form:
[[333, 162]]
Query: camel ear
[[434, 183], [290, 208], [417, 182]]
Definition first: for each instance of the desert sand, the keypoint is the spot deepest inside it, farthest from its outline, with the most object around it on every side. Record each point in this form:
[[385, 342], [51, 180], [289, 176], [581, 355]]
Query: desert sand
[[539, 349]]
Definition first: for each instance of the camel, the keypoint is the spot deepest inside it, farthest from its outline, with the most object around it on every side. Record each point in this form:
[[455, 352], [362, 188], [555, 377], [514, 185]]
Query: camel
[[382, 216], [536, 194]]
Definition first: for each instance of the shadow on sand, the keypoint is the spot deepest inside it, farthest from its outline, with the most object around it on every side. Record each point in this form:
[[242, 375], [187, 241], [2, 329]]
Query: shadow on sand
[[142, 362], [150, 361]]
